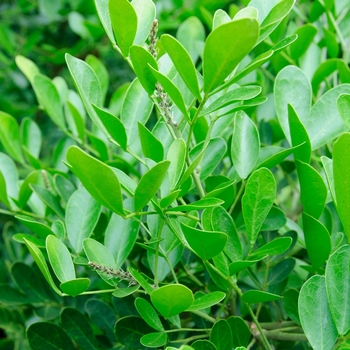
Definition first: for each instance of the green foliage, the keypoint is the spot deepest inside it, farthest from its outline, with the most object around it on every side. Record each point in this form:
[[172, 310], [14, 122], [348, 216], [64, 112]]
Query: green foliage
[[203, 204]]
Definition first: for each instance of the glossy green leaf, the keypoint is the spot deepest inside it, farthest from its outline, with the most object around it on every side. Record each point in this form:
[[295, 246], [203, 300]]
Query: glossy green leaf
[[275, 219], [98, 253], [206, 244], [151, 147], [328, 168], [315, 315], [240, 331], [281, 271], [129, 331], [257, 201], [221, 335], [164, 301], [338, 286], [299, 136], [41, 262], [9, 179], [103, 13], [220, 17], [107, 190], [31, 136], [343, 104], [222, 221], [292, 87], [154, 340], [275, 17], [124, 23], [172, 90], [290, 302], [146, 13], [137, 107], [63, 187], [169, 199], [120, 237], [206, 300], [78, 328], [341, 179], [113, 125], [239, 94], [28, 67], [142, 61], [198, 205], [75, 287], [225, 47], [176, 155], [270, 156], [88, 86], [306, 34], [37, 227], [49, 98], [212, 156], [124, 292], [9, 136], [103, 316], [245, 145], [141, 280], [203, 345], [45, 335], [49, 199], [82, 214], [148, 314], [313, 189], [101, 73], [277, 246], [60, 259], [183, 63], [149, 184], [258, 296], [325, 122], [317, 240]]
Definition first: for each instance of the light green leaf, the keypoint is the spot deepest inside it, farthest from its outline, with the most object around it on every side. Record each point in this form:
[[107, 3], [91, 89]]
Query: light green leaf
[[60, 259], [176, 155], [103, 14], [220, 17], [172, 90], [101, 73], [338, 286], [146, 13], [120, 237], [154, 340], [292, 87], [107, 190], [41, 262], [149, 184], [152, 148], [31, 136], [257, 201], [82, 214], [124, 23], [315, 315], [28, 67], [245, 145], [306, 34], [9, 179], [317, 240], [49, 98], [341, 173], [343, 104], [37, 227], [142, 61], [206, 300], [206, 244], [137, 107], [239, 94], [148, 314], [141, 280], [113, 125], [225, 47], [164, 301], [183, 63], [325, 122], [88, 86], [198, 205], [9, 136]]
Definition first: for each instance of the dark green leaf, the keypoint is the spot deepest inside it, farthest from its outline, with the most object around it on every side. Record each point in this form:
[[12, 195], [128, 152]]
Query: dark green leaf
[[221, 335], [240, 331], [257, 296], [281, 271], [148, 314], [154, 340]]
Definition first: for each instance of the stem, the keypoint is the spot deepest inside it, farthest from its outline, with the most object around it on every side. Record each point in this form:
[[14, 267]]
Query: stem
[[205, 316], [179, 213], [238, 196], [94, 292], [285, 336], [190, 339], [159, 234], [187, 329]]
